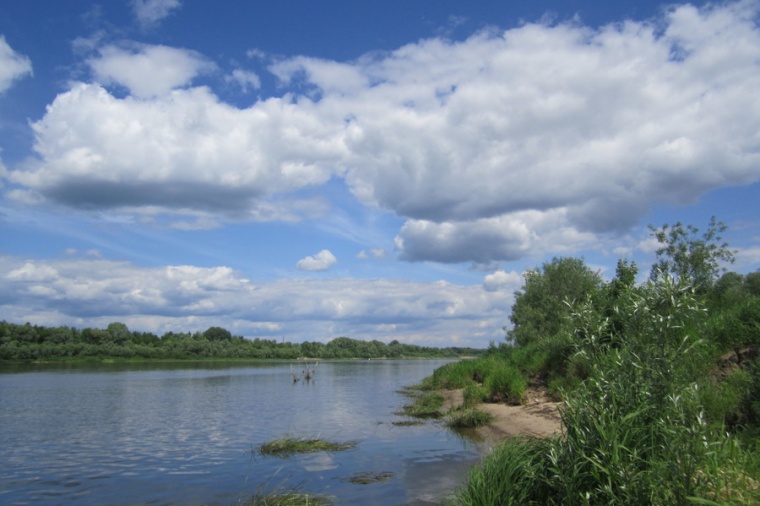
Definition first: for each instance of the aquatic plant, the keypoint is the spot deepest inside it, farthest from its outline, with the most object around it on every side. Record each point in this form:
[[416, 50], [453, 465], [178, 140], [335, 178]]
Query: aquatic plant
[[287, 446], [366, 478]]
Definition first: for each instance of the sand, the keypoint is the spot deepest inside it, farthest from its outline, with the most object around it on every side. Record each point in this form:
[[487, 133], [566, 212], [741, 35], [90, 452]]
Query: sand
[[538, 417]]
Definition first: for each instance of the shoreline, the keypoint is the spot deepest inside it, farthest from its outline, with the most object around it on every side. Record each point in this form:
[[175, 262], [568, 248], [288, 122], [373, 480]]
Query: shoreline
[[539, 417]]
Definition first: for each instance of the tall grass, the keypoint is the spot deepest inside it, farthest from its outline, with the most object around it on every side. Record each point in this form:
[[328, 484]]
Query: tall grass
[[506, 384]]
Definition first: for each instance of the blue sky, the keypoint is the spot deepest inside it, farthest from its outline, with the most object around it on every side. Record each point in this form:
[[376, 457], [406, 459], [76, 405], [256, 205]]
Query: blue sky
[[379, 170]]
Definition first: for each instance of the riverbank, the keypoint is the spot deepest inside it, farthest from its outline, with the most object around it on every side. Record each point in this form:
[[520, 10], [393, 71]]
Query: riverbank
[[538, 417]]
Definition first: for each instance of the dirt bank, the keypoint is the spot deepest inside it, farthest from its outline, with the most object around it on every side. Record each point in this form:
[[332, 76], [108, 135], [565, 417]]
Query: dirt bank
[[538, 417]]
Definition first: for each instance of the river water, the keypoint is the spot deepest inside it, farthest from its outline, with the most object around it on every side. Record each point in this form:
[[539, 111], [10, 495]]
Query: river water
[[159, 434]]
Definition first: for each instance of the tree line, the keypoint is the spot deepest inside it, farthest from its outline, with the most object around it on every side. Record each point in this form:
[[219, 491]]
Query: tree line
[[24, 342]]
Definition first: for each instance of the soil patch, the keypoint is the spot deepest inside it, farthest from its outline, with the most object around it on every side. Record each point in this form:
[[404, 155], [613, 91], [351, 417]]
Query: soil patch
[[539, 417]]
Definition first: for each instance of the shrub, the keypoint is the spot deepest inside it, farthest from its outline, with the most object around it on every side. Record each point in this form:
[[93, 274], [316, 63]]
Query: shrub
[[474, 394], [506, 384]]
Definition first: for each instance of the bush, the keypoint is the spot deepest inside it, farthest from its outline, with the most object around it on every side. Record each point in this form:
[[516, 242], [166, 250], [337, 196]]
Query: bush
[[724, 401], [474, 394], [506, 384]]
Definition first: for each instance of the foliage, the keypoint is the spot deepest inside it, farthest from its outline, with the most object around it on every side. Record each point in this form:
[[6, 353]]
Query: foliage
[[511, 475], [473, 394], [634, 429], [541, 307], [506, 384], [695, 260], [33, 342]]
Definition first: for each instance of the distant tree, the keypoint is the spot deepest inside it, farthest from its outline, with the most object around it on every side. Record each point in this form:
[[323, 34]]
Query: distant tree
[[119, 332], [694, 259], [541, 306], [752, 283], [217, 334], [728, 290], [96, 336]]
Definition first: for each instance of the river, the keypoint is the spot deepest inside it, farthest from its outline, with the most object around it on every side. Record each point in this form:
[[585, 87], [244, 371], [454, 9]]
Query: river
[[160, 434]]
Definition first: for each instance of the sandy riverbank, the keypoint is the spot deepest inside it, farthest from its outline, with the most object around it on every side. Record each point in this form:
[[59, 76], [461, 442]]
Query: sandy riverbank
[[538, 417]]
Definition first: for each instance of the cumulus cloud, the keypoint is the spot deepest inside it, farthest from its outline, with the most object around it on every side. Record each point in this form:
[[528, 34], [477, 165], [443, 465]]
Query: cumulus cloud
[[501, 280], [150, 12], [585, 127], [182, 152], [147, 70], [13, 66], [319, 262], [95, 292]]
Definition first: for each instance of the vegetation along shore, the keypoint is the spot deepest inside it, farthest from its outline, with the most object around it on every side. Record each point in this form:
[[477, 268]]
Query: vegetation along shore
[[657, 384]]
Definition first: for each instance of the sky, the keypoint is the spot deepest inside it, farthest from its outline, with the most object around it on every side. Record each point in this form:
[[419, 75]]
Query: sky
[[304, 169]]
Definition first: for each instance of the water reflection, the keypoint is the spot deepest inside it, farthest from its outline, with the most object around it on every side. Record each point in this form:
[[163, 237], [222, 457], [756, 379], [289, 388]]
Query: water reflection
[[178, 434]]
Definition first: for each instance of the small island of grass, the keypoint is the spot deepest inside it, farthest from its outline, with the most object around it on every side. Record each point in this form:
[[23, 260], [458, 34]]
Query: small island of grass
[[288, 446]]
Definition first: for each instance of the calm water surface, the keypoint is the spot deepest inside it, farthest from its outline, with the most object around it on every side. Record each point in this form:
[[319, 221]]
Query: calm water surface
[[116, 434]]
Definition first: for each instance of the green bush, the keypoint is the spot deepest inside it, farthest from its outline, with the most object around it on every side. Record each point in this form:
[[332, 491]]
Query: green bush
[[506, 384], [724, 401], [474, 394]]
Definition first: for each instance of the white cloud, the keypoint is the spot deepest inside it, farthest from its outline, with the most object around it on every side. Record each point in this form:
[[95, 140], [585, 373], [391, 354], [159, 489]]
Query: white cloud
[[184, 152], [501, 280], [95, 292], [377, 253], [148, 71], [13, 66], [150, 12], [479, 144], [746, 257], [245, 79], [319, 262], [256, 53]]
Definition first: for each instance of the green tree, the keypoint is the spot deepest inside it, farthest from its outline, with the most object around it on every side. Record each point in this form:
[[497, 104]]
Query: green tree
[[752, 283], [119, 332], [690, 257], [542, 305], [217, 334]]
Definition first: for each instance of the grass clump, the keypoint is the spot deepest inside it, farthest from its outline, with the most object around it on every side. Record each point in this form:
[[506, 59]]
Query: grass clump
[[287, 446], [367, 478], [474, 394], [506, 384], [509, 476], [289, 499], [425, 405], [469, 419], [407, 423]]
